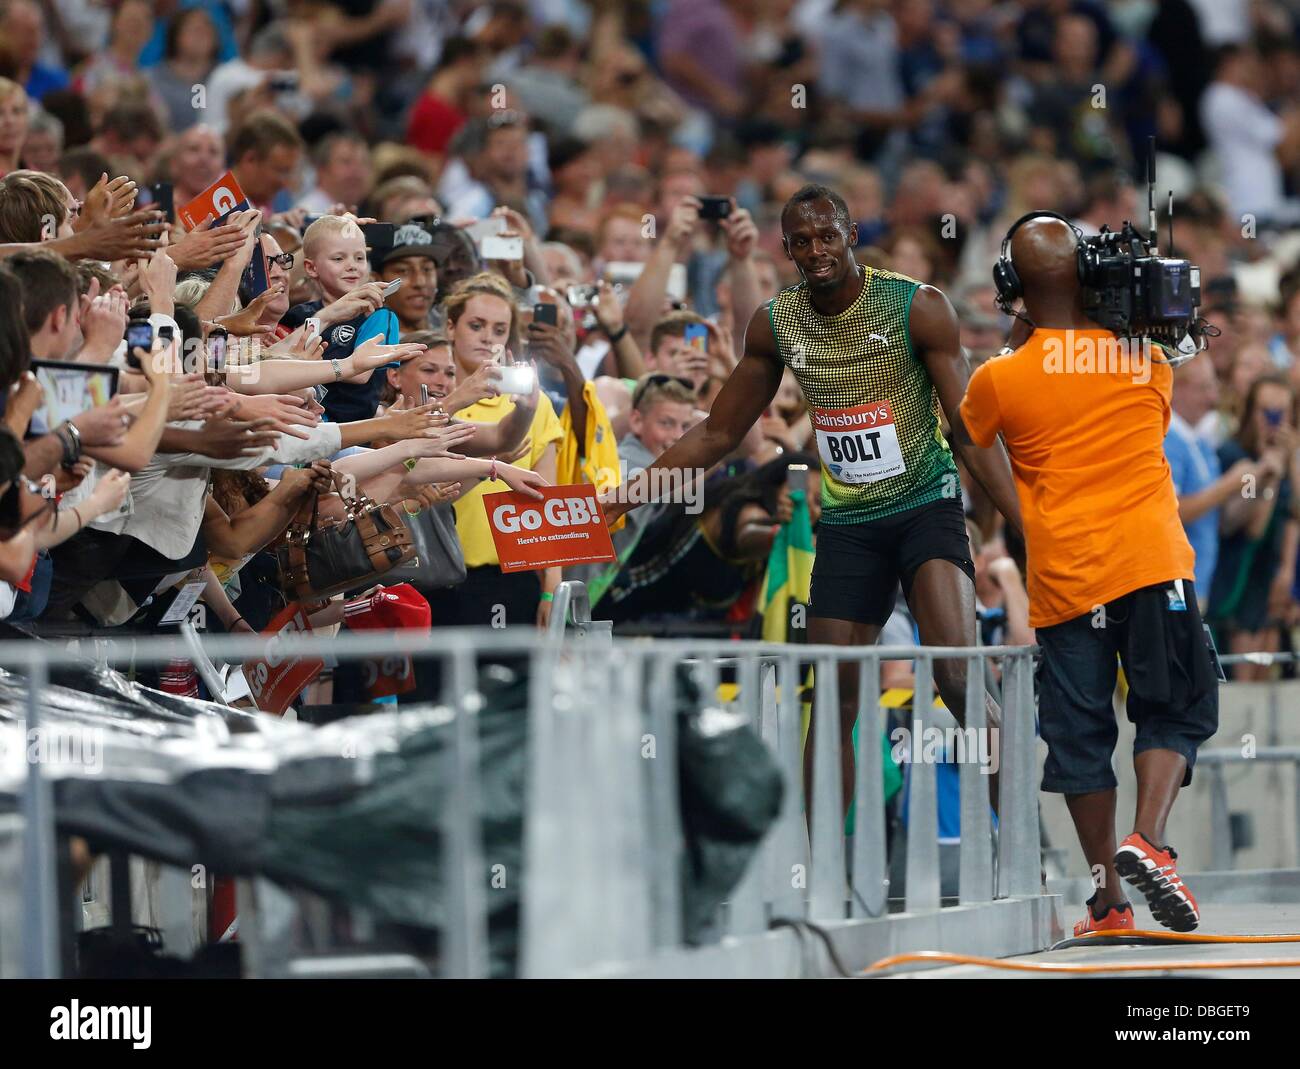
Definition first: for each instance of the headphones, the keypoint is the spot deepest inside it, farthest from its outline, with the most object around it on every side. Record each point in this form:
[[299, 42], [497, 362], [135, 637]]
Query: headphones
[[1005, 278]]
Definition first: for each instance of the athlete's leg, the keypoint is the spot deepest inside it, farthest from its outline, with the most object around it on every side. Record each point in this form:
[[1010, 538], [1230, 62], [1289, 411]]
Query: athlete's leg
[[823, 631], [942, 600], [1094, 822], [1160, 776]]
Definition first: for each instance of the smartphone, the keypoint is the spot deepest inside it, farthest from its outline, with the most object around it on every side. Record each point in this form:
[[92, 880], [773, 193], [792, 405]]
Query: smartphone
[[139, 335], [217, 339], [696, 336], [313, 326], [392, 287], [164, 201], [623, 273], [715, 207], [379, 235], [582, 296], [517, 379], [257, 278], [483, 228], [546, 313], [499, 248], [70, 389]]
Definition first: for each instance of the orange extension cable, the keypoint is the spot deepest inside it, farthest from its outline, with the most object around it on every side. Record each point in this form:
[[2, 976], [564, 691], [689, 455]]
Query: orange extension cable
[[1130, 966], [1178, 937]]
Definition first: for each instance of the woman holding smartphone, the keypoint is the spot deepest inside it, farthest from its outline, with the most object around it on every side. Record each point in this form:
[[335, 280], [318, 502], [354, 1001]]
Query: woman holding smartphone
[[482, 328], [1259, 534]]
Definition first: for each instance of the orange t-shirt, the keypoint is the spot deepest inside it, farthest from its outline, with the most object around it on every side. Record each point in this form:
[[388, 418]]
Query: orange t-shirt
[[1087, 452]]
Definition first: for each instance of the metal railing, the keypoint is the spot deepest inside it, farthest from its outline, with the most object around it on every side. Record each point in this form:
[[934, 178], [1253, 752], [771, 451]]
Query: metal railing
[[1215, 762], [603, 843]]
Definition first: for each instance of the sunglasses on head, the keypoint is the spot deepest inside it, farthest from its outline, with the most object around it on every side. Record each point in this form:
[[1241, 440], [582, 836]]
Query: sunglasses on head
[[658, 378]]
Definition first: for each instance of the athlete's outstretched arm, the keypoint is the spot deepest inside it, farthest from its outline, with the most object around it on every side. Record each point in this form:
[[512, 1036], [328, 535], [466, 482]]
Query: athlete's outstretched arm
[[739, 405], [937, 338]]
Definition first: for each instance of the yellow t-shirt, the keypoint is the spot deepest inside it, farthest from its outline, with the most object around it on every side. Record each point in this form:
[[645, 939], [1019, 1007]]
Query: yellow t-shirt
[[471, 517]]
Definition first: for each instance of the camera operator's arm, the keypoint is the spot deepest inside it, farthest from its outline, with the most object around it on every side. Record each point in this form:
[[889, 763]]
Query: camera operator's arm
[[645, 300], [937, 340]]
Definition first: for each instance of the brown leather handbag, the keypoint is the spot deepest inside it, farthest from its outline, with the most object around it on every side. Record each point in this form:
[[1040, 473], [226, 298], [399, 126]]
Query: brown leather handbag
[[319, 562]]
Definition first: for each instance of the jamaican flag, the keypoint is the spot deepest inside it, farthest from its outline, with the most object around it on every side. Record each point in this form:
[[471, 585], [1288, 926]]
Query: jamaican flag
[[789, 572]]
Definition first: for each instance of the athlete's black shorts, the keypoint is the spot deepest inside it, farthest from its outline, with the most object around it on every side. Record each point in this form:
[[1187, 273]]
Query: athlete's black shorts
[[860, 565], [1173, 692]]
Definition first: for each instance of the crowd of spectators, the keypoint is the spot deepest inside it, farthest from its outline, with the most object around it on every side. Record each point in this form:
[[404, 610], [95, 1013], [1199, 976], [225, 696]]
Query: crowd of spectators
[[589, 132]]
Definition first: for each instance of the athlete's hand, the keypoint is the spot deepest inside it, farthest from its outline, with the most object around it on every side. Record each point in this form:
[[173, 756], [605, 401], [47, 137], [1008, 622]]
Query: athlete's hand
[[613, 509]]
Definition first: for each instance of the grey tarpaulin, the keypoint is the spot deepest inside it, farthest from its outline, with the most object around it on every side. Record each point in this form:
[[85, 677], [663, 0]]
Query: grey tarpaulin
[[350, 809]]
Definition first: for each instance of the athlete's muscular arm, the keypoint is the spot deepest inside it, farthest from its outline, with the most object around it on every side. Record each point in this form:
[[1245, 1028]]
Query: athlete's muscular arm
[[738, 406], [937, 339]]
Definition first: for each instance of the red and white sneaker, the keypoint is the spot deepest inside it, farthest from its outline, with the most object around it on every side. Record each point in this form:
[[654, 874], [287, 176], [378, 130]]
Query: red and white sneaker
[[1154, 872], [1117, 918]]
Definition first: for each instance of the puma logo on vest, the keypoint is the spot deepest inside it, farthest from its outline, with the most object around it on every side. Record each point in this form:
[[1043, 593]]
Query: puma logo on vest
[[882, 338]]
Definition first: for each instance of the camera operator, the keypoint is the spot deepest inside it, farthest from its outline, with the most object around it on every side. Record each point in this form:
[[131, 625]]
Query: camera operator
[[1110, 569]]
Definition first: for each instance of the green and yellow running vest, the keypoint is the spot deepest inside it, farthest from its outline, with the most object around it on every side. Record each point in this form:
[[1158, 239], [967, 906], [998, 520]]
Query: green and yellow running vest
[[874, 408]]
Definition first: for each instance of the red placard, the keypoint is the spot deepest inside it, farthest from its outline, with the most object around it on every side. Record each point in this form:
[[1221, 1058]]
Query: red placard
[[222, 196], [274, 679], [565, 527]]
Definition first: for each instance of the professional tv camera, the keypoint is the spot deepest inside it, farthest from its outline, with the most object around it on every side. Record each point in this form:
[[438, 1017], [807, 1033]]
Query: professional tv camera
[[1128, 287]]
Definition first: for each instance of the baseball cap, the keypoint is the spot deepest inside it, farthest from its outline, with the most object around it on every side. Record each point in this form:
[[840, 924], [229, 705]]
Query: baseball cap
[[409, 239]]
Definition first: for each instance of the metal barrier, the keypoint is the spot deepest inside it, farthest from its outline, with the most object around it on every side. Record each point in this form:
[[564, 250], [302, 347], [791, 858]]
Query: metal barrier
[[1214, 763], [603, 847]]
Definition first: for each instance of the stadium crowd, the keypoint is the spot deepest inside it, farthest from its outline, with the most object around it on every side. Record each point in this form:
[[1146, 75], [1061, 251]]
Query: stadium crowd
[[627, 164]]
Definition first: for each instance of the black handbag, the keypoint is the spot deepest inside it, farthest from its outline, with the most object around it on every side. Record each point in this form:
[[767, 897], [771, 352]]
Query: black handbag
[[438, 562], [318, 562]]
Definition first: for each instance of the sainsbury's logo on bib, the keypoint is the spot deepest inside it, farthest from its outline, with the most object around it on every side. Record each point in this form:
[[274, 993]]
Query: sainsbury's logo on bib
[[858, 445]]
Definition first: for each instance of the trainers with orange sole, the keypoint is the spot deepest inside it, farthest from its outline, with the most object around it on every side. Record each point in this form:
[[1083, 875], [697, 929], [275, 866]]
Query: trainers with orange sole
[[1117, 918], [1154, 871]]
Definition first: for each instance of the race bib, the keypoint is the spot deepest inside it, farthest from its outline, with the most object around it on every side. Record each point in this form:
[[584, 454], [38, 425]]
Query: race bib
[[858, 445]]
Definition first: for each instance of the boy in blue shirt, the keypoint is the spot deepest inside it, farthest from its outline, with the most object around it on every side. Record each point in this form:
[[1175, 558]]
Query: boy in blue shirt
[[352, 312]]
